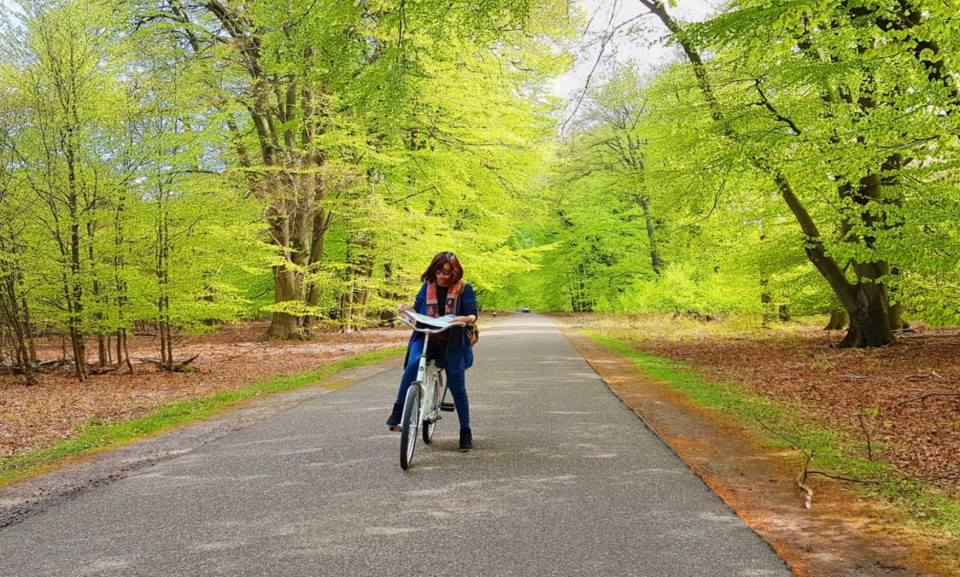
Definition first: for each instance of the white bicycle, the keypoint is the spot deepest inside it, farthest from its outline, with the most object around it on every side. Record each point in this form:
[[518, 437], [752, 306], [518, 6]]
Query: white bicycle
[[424, 400]]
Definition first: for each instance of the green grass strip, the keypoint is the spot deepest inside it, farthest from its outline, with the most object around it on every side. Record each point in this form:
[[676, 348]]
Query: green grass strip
[[729, 398], [96, 437], [842, 452]]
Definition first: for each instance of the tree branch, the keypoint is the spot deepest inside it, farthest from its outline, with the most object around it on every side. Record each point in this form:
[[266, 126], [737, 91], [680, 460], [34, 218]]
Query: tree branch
[[773, 111]]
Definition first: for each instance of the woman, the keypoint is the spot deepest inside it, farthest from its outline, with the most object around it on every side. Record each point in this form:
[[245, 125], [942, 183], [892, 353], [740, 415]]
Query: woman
[[442, 293]]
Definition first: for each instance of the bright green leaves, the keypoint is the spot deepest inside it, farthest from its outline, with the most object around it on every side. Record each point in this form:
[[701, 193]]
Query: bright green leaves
[[848, 108]]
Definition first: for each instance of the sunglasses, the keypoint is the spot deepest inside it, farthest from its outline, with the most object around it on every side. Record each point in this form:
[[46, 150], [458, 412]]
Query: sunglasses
[[445, 272]]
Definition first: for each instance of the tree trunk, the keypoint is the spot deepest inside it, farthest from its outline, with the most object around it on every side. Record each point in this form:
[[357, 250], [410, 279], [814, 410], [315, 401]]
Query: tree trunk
[[16, 330], [869, 318], [119, 350], [292, 228], [766, 305], [896, 318], [896, 310], [283, 109], [28, 327], [287, 288], [839, 320], [321, 222], [783, 313], [655, 262], [578, 300], [360, 257], [126, 351]]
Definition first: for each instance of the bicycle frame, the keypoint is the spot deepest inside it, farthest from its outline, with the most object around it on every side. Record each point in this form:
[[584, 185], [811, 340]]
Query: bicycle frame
[[427, 374]]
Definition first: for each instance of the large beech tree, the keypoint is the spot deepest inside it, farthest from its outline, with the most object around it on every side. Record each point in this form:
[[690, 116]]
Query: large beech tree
[[306, 67], [846, 89]]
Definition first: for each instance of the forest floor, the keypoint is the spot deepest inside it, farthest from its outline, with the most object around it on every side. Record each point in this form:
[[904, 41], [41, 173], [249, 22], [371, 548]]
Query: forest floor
[[904, 398]]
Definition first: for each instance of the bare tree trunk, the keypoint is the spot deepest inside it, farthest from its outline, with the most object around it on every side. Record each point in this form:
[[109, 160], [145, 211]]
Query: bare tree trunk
[[16, 332], [28, 326], [163, 280], [119, 347], [75, 290], [362, 264]]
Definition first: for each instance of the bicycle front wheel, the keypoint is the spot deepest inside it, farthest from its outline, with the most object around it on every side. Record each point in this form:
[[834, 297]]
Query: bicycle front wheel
[[409, 424]]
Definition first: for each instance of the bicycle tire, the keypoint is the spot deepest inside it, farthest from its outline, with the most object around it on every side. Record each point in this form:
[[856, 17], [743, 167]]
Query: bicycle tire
[[430, 423], [408, 426]]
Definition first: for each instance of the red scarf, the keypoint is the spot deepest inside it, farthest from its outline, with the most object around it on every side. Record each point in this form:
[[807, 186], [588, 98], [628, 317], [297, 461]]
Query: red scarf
[[450, 307]]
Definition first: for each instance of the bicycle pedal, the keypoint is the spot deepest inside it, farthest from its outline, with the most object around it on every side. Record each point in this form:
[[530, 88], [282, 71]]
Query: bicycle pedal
[[447, 407]]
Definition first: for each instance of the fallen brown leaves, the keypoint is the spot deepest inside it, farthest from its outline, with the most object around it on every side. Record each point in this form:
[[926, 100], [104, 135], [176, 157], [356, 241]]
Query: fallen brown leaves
[[37, 417], [907, 394]]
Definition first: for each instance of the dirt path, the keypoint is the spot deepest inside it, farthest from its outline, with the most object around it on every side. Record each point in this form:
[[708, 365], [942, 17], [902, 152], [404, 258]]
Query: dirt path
[[838, 536]]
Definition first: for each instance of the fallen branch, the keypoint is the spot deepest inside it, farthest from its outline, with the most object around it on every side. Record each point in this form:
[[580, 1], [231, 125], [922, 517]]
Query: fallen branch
[[779, 434], [927, 395], [922, 376], [952, 476], [244, 353], [806, 472], [176, 367], [102, 370], [847, 479], [802, 476], [866, 434]]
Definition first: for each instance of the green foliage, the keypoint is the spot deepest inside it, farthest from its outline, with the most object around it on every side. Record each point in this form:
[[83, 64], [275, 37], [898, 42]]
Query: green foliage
[[202, 156], [854, 108], [185, 157]]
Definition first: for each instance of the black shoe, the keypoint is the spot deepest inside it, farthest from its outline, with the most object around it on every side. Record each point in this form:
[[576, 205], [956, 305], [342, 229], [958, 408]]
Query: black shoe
[[394, 421], [466, 440]]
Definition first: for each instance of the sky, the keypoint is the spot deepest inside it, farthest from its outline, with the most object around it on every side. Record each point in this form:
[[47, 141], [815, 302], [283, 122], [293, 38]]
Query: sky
[[637, 36]]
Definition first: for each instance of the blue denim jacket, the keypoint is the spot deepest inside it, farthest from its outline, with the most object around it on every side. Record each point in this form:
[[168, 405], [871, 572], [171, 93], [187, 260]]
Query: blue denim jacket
[[459, 355]]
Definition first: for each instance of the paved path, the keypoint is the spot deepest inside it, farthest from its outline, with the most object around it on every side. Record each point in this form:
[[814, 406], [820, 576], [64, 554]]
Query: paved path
[[565, 481]]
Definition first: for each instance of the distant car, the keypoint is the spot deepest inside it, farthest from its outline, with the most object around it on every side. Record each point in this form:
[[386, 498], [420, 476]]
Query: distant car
[[526, 309]]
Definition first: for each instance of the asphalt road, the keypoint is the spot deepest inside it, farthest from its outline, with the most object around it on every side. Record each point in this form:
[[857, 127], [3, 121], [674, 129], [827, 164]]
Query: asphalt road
[[565, 480]]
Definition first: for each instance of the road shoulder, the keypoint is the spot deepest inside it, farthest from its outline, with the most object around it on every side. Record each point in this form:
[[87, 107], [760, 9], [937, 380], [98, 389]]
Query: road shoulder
[[837, 537]]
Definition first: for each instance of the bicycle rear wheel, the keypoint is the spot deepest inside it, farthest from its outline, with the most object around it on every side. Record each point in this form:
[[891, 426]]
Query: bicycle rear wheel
[[409, 425]]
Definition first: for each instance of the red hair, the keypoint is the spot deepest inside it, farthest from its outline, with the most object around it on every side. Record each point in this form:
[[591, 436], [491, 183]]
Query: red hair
[[442, 258]]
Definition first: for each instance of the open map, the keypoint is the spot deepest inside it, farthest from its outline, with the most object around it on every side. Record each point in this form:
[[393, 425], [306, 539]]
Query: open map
[[439, 323]]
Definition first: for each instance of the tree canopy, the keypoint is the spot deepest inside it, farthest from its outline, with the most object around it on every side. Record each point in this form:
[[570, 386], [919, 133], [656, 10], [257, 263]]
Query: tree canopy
[[179, 165]]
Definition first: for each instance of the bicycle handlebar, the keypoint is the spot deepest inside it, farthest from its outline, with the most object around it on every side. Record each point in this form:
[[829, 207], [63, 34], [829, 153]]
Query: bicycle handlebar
[[426, 331]]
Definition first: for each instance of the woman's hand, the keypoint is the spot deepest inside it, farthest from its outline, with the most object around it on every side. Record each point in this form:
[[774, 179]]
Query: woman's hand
[[403, 308], [464, 319]]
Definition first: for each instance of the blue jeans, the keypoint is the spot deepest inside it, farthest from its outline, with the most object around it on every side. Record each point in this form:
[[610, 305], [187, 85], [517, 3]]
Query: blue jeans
[[456, 382]]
